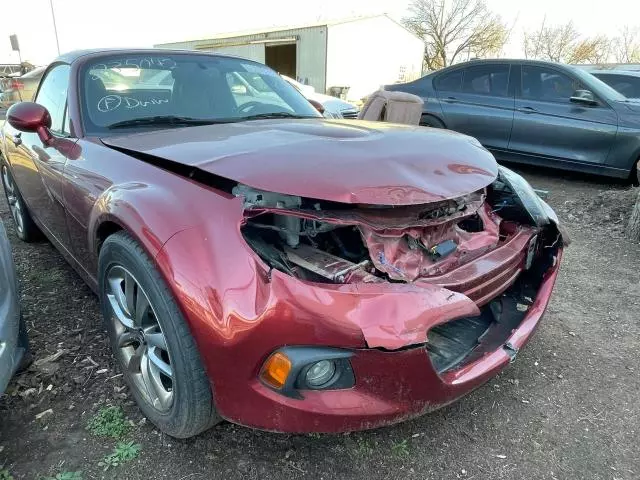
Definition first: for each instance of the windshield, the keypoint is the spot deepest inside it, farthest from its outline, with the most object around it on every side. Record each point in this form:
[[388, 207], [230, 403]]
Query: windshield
[[598, 86], [121, 89]]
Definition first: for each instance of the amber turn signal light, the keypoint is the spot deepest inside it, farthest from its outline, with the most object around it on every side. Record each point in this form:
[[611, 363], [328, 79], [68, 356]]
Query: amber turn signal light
[[276, 370]]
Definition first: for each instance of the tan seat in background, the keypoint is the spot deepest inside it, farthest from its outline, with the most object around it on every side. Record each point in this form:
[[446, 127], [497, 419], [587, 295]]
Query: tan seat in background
[[395, 107]]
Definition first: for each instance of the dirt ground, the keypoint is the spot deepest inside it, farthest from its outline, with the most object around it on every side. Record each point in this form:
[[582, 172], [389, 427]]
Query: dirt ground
[[566, 409]]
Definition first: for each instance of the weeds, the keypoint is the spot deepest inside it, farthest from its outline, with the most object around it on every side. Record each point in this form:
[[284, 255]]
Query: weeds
[[5, 475], [400, 448], [364, 447], [124, 452], [109, 422], [64, 476]]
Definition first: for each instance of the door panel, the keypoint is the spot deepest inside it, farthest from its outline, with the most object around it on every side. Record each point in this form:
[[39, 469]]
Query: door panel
[[546, 123], [477, 101], [38, 168]]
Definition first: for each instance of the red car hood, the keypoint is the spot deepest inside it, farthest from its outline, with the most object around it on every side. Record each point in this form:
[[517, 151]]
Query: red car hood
[[344, 161]]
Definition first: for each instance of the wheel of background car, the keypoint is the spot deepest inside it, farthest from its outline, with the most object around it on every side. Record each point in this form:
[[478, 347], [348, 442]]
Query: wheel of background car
[[634, 175], [152, 342], [431, 121], [26, 229]]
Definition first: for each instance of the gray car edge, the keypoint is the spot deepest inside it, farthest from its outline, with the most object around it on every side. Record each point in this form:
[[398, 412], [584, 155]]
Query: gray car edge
[[601, 138], [13, 341]]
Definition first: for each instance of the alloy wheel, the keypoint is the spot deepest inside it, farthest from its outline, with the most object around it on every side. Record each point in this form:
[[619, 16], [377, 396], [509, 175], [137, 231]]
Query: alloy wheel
[[140, 343], [15, 205]]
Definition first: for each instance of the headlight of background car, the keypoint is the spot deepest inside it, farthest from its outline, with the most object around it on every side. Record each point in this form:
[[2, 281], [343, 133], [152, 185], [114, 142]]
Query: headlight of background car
[[330, 114]]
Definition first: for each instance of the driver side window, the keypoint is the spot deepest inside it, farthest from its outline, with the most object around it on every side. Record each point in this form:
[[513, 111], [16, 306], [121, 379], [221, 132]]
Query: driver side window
[[547, 84], [53, 96]]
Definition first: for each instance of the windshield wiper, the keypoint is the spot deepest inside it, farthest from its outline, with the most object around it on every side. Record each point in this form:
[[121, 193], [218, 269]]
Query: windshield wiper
[[163, 120], [261, 116]]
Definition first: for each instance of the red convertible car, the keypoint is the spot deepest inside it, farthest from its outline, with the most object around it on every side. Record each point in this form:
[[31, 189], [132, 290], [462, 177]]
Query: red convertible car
[[258, 263]]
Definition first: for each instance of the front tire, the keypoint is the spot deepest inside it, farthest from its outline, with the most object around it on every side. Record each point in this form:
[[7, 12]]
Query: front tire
[[26, 229], [152, 342]]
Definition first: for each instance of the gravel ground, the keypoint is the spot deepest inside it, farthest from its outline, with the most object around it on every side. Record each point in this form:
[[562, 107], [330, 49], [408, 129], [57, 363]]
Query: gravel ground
[[566, 409]]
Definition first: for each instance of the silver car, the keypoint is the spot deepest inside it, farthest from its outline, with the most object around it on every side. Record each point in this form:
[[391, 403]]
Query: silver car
[[14, 346]]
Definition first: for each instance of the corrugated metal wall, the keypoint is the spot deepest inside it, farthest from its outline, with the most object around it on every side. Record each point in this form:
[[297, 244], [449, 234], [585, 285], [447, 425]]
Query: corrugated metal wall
[[311, 51]]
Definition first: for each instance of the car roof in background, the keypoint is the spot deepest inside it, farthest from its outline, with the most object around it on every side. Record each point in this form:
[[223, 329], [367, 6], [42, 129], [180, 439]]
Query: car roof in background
[[627, 73], [81, 55]]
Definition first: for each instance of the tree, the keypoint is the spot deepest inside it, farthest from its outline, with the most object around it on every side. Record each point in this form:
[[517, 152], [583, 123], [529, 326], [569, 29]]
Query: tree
[[563, 43], [453, 28], [626, 46]]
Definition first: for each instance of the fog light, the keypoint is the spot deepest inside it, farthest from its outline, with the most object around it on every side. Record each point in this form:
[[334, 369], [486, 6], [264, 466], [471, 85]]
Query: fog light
[[320, 373], [276, 370]]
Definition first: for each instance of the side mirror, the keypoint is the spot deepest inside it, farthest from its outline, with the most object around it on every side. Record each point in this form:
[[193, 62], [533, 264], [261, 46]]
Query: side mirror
[[31, 117], [318, 106], [585, 97]]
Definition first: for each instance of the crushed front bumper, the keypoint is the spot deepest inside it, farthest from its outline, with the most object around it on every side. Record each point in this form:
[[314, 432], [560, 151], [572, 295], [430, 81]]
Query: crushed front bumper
[[240, 312]]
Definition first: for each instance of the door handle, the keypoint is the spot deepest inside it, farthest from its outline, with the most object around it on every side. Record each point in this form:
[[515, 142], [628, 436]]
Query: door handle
[[527, 110], [17, 139], [451, 99]]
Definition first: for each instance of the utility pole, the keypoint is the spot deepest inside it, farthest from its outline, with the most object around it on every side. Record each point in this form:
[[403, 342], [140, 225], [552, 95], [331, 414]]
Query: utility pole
[[55, 29]]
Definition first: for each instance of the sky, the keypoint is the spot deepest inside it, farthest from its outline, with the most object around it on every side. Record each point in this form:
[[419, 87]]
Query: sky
[[142, 23]]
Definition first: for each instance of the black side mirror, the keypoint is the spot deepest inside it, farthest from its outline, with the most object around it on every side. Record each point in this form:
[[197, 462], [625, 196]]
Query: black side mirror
[[585, 97]]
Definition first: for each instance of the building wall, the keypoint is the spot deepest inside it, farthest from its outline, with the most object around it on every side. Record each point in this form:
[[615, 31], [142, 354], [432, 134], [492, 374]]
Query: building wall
[[368, 53], [311, 50]]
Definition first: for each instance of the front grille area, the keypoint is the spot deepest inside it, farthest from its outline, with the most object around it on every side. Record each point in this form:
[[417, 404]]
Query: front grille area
[[482, 285], [457, 343], [350, 114]]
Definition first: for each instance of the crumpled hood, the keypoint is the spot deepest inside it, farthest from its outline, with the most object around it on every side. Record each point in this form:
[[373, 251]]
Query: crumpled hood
[[338, 160]]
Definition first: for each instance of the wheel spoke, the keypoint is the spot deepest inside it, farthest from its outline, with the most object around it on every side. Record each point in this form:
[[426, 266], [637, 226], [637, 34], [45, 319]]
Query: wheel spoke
[[157, 340], [141, 308], [129, 293], [137, 359], [159, 363], [127, 338], [118, 311], [159, 395]]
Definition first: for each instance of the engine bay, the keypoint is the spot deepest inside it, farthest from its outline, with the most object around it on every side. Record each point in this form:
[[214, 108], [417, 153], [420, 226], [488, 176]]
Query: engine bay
[[330, 242]]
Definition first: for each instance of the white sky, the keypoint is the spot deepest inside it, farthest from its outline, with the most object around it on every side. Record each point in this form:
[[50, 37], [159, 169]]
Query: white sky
[[141, 23]]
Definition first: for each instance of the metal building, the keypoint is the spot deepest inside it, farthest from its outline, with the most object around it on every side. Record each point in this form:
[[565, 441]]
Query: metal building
[[361, 53]]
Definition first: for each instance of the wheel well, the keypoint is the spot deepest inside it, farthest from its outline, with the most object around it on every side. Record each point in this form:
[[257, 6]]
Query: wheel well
[[105, 230], [429, 115]]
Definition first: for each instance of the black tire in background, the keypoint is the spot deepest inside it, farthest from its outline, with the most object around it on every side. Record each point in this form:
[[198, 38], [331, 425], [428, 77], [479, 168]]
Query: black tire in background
[[431, 121], [191, 410], [26, 229]]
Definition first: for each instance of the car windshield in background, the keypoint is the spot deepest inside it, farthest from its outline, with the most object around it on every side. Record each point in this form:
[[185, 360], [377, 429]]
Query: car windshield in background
[[138, 91], [602, 88]]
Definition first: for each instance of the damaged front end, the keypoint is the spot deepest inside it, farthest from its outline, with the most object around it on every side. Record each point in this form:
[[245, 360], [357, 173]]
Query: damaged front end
[[493, 246]]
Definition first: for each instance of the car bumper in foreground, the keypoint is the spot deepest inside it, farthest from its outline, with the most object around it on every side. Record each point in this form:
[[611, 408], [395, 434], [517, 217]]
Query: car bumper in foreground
[[391, 386], [238, 328]]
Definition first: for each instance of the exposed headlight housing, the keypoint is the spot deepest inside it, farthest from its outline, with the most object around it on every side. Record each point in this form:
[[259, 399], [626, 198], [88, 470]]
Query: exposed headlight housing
[[529, 199]]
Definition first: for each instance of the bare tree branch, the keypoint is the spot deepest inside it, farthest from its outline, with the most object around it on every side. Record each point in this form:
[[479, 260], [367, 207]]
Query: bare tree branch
[[627, 45], [563, 43], [450, 28]]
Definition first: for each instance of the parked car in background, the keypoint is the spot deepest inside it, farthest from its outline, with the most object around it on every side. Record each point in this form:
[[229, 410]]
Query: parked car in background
[[19, 89], [14, 346], [625, 82], [333, 107], [540, 113], [260, 263]]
